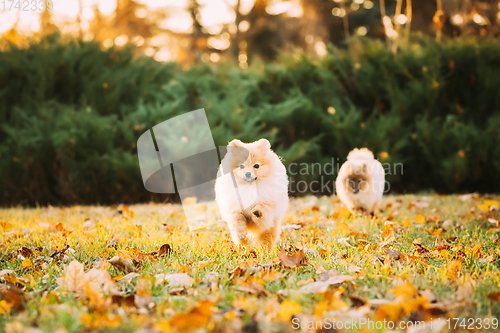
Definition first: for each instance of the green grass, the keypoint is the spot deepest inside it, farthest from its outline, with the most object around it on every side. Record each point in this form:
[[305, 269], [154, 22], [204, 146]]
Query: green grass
[[326, 245]]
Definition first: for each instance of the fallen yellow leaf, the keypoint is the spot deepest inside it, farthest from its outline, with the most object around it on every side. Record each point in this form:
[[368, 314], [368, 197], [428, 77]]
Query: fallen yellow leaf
[[453, 268], [343, 213], [406, 291], [476, 250], [27, 263], [5, 307], [287, 309], [484, 208], [162, 326], [342, 228]]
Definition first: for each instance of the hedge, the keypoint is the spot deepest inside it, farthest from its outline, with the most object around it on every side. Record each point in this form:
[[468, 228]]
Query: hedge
[[71, 113]]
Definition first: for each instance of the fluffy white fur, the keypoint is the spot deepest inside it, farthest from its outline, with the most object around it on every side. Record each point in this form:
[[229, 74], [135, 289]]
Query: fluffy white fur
[[252, 200], [360, 183]]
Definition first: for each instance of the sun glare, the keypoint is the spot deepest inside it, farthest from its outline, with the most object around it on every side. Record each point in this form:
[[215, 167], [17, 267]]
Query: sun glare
[[212, 13]]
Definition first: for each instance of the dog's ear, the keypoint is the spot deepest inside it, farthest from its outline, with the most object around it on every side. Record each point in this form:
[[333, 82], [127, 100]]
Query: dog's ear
[[348, 167], [236, 143], [263, 144], [237, 148]]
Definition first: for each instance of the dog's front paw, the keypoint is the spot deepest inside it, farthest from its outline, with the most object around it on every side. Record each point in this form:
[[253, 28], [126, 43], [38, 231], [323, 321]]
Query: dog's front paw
[[256, 213]]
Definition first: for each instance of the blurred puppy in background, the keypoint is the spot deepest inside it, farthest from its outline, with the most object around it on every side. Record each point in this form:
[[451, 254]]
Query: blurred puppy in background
[[254, 203], [360, 182]]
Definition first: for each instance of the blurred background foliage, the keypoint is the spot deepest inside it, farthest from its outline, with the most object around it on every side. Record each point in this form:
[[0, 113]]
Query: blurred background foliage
[[71, 114], [317, 78], [238, 31]]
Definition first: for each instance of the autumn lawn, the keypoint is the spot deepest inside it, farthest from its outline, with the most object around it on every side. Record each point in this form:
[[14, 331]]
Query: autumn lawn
[[139, 268]]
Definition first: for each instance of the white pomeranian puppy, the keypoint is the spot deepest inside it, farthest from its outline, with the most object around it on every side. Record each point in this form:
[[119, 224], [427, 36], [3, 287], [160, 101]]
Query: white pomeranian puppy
[[252, 192], [360, 183]]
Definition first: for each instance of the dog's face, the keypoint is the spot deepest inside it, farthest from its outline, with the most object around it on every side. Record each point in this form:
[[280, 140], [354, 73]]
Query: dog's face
[[357, 179], [249, 161]]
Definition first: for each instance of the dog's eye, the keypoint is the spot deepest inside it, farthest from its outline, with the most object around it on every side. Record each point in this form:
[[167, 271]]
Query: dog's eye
[[241, 166], [256, 166]]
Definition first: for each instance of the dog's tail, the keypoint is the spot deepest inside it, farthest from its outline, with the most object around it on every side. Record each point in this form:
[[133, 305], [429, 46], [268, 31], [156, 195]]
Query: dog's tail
[[360, 154]]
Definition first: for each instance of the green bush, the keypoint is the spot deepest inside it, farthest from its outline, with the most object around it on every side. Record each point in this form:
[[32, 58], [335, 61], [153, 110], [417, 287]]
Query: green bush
[[71, 113]]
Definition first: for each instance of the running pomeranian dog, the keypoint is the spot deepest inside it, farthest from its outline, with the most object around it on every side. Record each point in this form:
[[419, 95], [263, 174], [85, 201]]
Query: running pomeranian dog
[[360, 183], [252, 192]]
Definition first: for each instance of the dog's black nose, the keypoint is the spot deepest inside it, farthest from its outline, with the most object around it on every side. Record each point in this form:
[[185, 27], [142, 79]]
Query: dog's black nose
[[248, 174]]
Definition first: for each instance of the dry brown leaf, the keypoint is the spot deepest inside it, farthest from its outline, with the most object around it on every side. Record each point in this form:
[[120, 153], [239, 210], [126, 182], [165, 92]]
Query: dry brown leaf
[[175, 279], [177, 291], [75, 280], [11, 298], [122, 264], [100, 280], [134, 254], [396, 255], [391, 238], [272, 275], [295, 260], [253, 288], [337, 279], [164, 250], [495, 296], [59, 252], [25, 252], [124, 300], [357, 301], [7, 272], [417, 243], [319, 287]]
